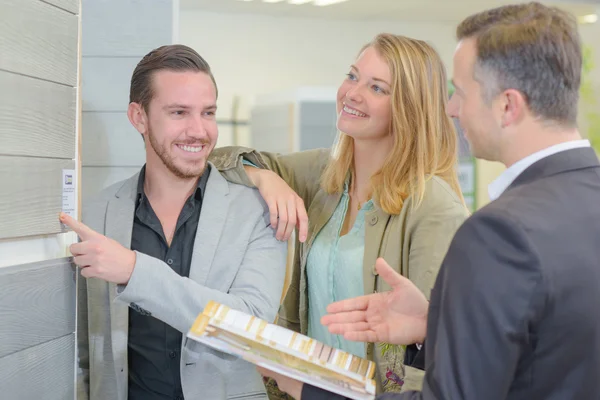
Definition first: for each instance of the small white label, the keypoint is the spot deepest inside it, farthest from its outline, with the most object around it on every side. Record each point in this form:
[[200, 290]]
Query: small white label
[[69, 199]]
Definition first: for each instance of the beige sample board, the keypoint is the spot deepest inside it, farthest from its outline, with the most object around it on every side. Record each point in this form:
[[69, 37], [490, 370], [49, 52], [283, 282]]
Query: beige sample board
[[39, 171]]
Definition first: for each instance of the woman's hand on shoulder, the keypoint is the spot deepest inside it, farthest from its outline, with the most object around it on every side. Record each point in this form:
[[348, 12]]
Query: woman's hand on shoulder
[[285, 206]]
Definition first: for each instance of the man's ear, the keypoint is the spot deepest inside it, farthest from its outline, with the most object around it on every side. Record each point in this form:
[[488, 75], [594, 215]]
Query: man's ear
[[514, 107], [138, 117]]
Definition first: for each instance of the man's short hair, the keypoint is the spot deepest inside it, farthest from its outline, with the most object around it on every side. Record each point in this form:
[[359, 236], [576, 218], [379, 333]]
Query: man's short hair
[[175, 57], [532, 48]]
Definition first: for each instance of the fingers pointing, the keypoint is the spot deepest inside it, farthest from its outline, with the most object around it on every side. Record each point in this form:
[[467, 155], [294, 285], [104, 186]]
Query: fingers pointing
[[80, 229]]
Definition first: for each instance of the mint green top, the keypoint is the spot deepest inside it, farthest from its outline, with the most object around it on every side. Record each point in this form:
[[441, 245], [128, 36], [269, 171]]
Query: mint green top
[[335, 272]]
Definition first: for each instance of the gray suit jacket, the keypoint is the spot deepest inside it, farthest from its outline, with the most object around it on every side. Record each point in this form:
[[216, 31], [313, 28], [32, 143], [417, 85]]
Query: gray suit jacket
[[236, 261], [514, 313]]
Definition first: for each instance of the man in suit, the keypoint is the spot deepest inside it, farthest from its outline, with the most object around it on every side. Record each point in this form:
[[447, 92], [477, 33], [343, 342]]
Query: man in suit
[[158, 246], [514, 311]]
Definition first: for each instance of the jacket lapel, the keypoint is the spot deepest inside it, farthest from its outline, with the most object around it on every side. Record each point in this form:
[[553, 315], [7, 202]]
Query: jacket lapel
[[119, 226], [376, 221], [215, 205], [565, 161]]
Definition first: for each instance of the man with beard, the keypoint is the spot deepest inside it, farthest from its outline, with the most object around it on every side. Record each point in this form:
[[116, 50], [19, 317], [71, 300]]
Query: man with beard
[[158, 246]]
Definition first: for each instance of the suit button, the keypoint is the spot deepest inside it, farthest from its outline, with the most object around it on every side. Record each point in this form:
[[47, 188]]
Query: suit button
[[374, 220], [170, 261], [172, 354]]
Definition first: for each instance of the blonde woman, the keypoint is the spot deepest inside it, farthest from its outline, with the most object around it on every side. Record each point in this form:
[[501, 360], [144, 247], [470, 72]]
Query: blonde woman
[[388, 189]]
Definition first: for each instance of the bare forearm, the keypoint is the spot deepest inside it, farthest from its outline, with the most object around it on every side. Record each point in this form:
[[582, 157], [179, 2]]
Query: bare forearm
[[254, 174]]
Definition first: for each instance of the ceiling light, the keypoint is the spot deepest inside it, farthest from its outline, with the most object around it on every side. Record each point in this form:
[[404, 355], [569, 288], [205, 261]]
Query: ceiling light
[[299, 1], [327, 2], [588, 19], [272, 1]]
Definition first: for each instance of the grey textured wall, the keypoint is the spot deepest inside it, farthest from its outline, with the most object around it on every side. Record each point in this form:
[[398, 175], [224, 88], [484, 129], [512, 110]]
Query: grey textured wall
[[116, 34], [39, 64]]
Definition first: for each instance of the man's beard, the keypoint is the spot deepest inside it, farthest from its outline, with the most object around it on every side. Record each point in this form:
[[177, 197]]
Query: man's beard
[[194, 171]]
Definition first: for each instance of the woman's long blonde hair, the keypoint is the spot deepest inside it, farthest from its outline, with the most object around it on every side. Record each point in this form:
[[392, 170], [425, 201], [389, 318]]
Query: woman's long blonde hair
[[425, 140]]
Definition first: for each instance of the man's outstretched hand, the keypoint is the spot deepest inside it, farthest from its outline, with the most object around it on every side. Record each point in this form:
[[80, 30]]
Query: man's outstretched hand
[[98, 256], [396, 317]]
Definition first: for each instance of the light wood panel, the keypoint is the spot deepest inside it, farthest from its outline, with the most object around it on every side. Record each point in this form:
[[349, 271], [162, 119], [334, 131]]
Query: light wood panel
[[125, 28], [37, 118], [69, 5], [105, 82], [39, 40], [43, 372], [38, 304], [109, 139], [31, 195]]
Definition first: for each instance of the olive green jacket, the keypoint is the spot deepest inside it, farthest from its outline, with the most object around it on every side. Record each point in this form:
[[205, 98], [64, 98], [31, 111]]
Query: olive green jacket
[[413, 242]]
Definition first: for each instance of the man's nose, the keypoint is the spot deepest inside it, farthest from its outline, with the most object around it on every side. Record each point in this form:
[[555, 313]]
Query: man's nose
[[196, 127]]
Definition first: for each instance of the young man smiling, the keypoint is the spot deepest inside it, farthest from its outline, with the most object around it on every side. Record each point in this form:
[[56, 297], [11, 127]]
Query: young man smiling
[[158, 246]]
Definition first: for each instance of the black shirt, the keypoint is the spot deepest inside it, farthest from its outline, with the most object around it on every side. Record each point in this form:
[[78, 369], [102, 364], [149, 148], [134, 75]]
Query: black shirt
[[153, 346]]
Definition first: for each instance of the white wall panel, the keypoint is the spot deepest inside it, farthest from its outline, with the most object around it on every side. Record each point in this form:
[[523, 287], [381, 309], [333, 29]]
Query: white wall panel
[[39, 40], [38, 118]]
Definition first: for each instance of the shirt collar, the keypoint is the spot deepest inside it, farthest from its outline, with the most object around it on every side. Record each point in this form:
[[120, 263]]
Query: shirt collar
[[500, 184], [198, 194]]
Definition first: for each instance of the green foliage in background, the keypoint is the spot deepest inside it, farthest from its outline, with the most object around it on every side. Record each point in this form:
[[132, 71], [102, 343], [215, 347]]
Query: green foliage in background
[[589, 102]]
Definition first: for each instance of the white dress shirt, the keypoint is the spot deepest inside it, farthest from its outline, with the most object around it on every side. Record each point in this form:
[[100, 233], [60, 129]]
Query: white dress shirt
[[500, 184]]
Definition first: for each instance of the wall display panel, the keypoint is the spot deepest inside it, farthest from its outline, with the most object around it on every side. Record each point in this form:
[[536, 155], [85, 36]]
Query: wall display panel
[[125, 30], [38, 117], [32, 195], [37, 304], [39, 40], [46, 371], [69, 5], [105, 83]]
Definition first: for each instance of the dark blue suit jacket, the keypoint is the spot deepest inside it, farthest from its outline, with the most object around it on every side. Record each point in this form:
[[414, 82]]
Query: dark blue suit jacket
[[515, 311]]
